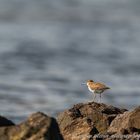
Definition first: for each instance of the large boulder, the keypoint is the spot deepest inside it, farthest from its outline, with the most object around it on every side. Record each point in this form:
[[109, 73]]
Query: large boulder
[[126, 123], [83, 121], [37, 127]]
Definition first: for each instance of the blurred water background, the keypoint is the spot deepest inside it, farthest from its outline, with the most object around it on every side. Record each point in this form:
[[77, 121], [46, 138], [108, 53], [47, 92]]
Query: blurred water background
[[48, 48]]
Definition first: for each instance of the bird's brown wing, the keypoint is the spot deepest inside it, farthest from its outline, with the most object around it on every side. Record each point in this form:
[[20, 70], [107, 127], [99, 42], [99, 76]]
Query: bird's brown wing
[[100, 86]]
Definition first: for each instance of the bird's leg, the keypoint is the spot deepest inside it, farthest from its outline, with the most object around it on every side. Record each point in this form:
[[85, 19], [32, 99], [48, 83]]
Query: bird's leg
[[100, 97], [94, 96]]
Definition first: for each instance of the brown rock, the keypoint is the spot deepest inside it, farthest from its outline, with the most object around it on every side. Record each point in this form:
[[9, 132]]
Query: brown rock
[[83, 121], [37, 127], [126, 123]]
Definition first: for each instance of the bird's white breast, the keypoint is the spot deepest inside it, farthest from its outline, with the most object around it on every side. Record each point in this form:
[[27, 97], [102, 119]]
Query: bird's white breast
[[91, 89]]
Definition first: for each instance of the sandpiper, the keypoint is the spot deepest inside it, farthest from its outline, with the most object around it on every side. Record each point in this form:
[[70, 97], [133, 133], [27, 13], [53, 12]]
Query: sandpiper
[[96, 88]]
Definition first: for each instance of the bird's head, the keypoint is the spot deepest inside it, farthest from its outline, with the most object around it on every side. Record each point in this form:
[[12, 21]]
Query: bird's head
[[89, 82]]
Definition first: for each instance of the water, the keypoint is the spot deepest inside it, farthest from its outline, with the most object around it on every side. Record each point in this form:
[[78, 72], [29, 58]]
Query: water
[[48, 48]]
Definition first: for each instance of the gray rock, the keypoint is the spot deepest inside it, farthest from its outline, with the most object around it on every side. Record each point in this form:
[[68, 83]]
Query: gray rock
[[5, 122]]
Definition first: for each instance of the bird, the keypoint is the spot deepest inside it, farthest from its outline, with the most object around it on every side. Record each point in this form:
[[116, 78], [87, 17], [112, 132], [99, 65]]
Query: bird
[[96, 88]]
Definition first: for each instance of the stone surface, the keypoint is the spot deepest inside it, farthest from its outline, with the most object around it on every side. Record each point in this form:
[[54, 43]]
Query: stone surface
[[83, 121], [37, 127], [126, 123]]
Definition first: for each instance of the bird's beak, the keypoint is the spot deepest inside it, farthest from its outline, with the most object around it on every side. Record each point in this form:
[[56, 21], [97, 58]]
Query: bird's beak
[[83, 83]]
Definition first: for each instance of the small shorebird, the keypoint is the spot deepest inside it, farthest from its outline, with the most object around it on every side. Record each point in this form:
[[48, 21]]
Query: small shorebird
[[96, 88]]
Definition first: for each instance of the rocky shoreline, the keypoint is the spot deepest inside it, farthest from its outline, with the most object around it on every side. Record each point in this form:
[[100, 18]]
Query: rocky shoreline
[[84, 121]]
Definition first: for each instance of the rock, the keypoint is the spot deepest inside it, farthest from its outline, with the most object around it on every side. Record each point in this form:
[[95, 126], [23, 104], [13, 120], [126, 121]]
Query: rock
[[83, 121], [126, 123], [5, 122], [37, 127]]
